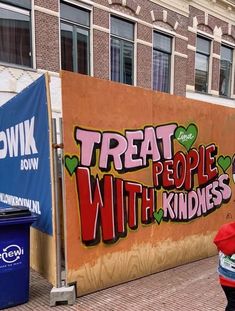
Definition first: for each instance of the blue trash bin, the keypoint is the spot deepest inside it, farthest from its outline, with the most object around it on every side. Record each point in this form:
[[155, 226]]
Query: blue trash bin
[[14, 255]]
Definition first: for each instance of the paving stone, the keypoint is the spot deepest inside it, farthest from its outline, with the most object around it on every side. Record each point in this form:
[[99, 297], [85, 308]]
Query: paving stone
[[191, 287]]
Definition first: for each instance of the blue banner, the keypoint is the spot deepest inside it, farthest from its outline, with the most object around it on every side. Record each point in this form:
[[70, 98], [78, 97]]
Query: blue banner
[[25, 178]]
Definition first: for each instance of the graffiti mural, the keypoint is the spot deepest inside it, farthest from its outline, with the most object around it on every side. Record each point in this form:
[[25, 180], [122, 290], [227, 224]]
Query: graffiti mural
[[149, 178], [188, 180]]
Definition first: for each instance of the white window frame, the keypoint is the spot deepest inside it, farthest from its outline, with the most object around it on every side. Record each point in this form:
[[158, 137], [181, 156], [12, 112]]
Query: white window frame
[[172, 58], [210, 61], [91, 50], [231, 46], [26, 12], [128, 19], [172, 71], [14, 9]]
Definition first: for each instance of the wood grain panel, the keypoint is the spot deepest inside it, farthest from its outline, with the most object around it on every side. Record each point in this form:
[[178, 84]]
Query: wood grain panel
[[104, 106]]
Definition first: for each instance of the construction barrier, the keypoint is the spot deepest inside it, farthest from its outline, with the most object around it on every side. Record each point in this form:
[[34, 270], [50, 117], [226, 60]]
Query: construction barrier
[[148, 180]]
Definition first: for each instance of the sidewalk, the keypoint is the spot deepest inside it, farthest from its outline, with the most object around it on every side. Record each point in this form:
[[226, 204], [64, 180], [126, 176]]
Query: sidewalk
[[192, 287]]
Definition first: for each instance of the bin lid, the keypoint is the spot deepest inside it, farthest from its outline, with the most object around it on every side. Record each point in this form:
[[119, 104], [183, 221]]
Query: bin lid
[[14, 211]]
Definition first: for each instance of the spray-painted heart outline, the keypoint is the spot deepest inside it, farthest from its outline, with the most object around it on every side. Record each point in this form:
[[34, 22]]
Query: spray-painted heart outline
[[158, 215], [224, 162], [186, 137], [71, 163]]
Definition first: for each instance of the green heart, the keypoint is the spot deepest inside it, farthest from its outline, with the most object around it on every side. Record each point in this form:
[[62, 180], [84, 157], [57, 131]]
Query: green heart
[[158, 215], [224, 162], [71, 163], [186, 137]]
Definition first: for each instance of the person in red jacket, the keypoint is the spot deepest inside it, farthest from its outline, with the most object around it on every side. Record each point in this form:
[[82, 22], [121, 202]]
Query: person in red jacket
[[225, 242], [226, 272]]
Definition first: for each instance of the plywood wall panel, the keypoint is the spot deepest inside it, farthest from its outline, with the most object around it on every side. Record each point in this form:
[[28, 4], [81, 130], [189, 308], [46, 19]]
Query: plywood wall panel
[[103, 107]]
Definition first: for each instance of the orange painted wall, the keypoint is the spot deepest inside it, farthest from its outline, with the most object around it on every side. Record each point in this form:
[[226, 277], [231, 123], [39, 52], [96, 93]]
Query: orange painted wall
[[99, 105]]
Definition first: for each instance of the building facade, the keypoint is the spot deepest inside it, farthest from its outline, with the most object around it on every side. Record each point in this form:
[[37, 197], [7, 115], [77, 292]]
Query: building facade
[[182, 47]]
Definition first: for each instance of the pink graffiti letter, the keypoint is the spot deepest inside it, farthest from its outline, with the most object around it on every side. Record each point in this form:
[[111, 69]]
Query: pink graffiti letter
[[131, 155], [88, 140], [113, 145], [165, 132], [149, 146]]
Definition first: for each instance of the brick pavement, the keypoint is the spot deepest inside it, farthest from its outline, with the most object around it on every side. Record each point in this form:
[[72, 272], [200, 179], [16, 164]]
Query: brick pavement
[[191, 287]]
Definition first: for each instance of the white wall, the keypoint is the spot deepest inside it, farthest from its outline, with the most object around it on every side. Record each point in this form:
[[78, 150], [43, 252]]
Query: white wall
[[212, 99], [14, 80]]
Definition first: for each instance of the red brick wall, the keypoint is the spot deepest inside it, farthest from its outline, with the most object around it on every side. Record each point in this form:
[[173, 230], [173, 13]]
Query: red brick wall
[[229, 38], [144, 33], [101, 18], [48, 4], [198, 13], [101, 54], [47, 41], [192, 38], [117, 2], [144, 66], [205, 28], [180, 67], [180, 76], [216, 47], [123, 9], [215, 67], [144, 57], [146, 8], [190, 68], [233, 32], [132, 5], [181, 45], [216, 22], [215, 74], [182, 28]]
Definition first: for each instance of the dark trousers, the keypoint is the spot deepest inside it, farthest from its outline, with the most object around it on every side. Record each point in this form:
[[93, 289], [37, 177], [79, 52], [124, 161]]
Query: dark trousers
[[230, 295]]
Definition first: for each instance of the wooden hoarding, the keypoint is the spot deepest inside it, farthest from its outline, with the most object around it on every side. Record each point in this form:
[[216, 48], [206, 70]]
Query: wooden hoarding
[[148, 180]]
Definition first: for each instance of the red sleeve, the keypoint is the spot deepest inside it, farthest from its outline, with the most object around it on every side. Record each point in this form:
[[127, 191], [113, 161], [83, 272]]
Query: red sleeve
[[226, 282]]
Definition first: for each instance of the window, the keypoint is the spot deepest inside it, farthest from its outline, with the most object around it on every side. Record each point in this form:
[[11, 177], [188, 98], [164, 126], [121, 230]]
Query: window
[[75, 37], [15, 35], [122, 51], [202, 64], [162, 49], [226, 59]]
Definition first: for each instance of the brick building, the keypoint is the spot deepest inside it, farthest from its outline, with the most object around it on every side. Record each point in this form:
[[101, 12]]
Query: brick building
[[183, 47]]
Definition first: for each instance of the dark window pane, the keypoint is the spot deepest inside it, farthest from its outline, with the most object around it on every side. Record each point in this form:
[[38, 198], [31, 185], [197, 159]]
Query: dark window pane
[[161, 62], [115, 60], [75, 41], [122, 28], [26, 4], [225, 70], [225, 78], [122, 60], [202, 62], [127, 63], [122, 51], [82, 50], [161, 71], [162, 42], [203, 46], [74, 14], [15, 45], [201, 73], [226, 53], [66, 47]]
